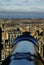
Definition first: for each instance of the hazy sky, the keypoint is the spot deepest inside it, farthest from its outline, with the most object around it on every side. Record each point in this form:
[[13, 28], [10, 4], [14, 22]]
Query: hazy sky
[[22, 5]]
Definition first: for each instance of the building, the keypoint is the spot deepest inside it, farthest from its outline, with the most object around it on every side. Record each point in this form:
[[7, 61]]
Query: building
[[14, 27]]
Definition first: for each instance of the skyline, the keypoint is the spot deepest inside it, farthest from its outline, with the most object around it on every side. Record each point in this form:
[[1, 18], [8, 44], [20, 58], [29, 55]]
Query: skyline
[[22, 5]]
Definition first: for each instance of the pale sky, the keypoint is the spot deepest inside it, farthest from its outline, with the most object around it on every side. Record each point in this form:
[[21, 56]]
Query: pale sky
[[22, 5]]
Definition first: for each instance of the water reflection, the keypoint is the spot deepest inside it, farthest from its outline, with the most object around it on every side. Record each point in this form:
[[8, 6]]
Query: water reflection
[[23, 46]]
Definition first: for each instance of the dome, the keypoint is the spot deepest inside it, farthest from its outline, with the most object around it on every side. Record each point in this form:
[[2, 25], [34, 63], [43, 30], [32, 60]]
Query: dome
[[24, 47]]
